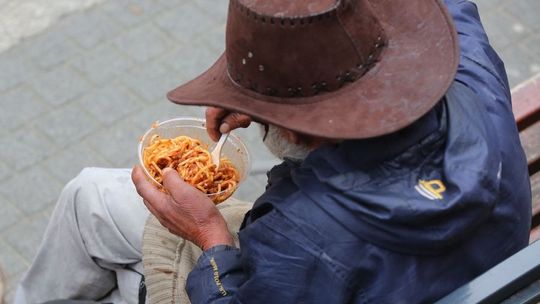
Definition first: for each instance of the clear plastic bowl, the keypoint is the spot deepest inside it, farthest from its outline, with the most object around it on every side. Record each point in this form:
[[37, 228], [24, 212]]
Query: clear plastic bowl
[[234, 149]]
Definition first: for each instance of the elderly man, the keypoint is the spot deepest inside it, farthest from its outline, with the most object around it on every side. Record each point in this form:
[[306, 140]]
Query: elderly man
[[403, 175]]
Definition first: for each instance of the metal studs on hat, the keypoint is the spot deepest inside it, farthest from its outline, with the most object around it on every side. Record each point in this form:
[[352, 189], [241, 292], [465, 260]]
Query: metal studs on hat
[[319, 87], [295, 92], [345, 77], [379, 42], [271, 91], [371, 59]]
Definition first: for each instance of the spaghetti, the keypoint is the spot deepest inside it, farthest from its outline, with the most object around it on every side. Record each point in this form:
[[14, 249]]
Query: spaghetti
[[191, 159]]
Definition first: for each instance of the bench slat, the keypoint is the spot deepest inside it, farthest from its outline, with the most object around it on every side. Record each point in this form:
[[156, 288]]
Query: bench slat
[[530, 139], [525, 104], [535, 187], [534, 236]]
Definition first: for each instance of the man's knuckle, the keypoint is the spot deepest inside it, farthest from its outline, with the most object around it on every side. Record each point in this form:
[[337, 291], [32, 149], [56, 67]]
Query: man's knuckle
[[139, 190]]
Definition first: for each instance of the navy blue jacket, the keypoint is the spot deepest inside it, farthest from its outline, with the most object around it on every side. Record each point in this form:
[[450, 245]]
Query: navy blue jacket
[[403, 218]]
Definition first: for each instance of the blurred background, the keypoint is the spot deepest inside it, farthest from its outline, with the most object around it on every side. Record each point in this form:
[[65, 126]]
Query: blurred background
[[81, 80]]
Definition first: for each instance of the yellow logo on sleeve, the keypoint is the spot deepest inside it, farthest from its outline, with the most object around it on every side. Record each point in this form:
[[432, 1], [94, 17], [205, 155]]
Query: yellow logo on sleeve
[[432, 189]]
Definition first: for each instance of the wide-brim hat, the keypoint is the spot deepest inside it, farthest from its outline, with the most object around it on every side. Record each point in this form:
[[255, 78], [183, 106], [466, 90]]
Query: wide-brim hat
[[346, 69]]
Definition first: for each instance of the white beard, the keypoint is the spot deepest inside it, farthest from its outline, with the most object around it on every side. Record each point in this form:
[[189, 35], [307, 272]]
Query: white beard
[[281, 148]]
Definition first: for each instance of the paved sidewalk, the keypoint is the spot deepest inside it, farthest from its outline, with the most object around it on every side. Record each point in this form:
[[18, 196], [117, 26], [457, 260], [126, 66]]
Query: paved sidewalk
[[23, 18], [513, 27], [81, 93]]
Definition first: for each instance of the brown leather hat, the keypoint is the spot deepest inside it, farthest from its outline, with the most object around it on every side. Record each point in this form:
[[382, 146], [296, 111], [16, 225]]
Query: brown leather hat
[[331, 68]]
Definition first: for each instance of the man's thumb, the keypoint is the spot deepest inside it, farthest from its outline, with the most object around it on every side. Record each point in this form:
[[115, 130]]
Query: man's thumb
[[176, 186], [234, 121]]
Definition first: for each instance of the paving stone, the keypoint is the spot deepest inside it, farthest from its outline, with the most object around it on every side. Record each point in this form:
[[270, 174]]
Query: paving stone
[[40, 43], [60, 85], [56, 55], [9, 215], [251, 188], [4, 171], [162, 111], [503, 30], [14, 69], [143, 43], [132, 12], [11, 261], [5, 39], [518, 64], [151, 81], [168, 4], [215, 39], [118, 143], [217, 9], [141, 121], [50, 49], [67, 124], [186, 23], [31, 190], [69, 162], [110, 103], [485, 6], [26, 147], [190, 61], [532, 46], [32, 229], [535, 68], [19, 106], [90, 28], [526, 11], [47, 212], [103, 64], [24, 18]]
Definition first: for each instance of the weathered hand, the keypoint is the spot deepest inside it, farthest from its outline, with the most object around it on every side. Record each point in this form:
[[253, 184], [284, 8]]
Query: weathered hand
[[219, 121], [184, 211]]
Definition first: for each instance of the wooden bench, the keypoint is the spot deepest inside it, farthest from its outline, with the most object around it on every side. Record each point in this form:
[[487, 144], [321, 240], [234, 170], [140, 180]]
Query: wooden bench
[[517, 279], [526, 107]]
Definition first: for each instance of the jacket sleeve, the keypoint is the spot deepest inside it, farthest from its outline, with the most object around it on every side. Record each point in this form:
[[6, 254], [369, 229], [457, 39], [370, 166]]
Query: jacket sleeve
[[480, 67], [271, 268], [216, 277]]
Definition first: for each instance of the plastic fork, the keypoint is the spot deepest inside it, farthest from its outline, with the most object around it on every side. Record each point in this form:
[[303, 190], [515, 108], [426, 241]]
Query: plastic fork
[[216, 153]]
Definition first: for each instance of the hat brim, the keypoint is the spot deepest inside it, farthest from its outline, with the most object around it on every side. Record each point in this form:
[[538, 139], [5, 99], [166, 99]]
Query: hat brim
[[413, 73]]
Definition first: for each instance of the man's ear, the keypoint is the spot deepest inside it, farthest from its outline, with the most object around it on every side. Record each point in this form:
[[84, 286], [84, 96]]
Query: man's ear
[[298, 138], [291, 136]]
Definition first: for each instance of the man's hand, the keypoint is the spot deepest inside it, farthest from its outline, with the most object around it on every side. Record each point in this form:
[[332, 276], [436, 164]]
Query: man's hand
[[184, 211], [219, 121]]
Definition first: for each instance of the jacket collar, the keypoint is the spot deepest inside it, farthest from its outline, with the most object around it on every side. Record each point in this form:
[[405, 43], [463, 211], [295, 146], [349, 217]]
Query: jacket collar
[[361, 154]]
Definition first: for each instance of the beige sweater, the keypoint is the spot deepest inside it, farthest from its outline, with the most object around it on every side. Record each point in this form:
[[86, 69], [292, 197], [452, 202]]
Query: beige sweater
[[168, 259]]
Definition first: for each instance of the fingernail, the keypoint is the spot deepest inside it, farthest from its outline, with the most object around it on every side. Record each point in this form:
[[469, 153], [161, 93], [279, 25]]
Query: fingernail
[[167, 170], [224, 128]]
